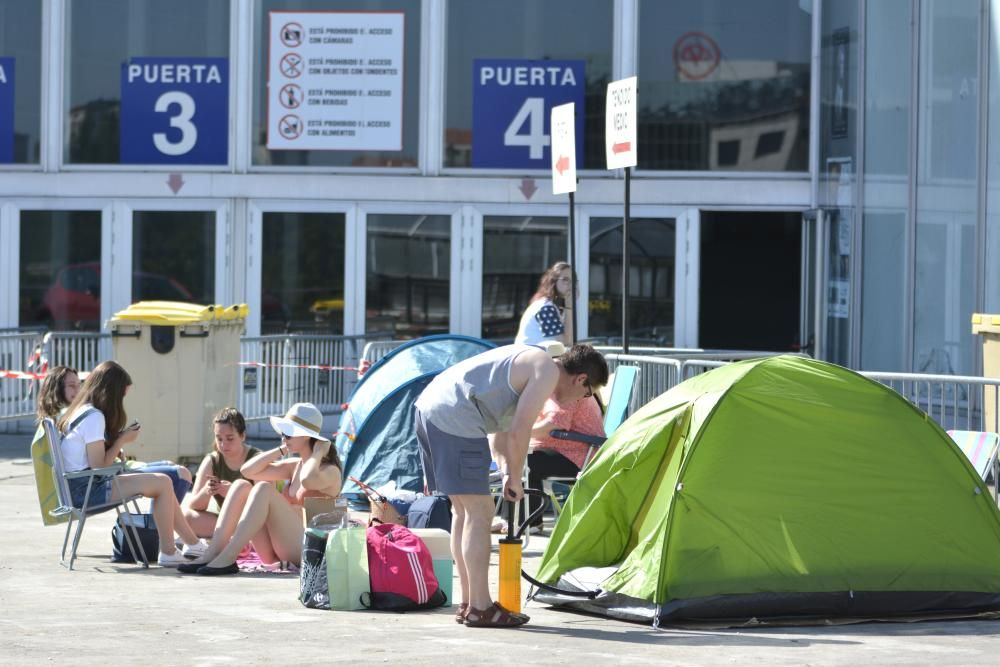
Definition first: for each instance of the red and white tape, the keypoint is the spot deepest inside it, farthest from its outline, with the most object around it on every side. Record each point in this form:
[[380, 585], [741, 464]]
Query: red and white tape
[[21, 375], [312, 367]]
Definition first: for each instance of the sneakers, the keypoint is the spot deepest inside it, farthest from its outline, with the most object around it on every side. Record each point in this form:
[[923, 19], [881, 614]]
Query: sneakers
[[196, 550], [171, 560]]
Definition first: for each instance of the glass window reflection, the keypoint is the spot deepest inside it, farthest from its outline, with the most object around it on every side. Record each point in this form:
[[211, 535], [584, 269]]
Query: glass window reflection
[[529, 30], [60, 270], [409, 268], [302, 276], [103, 34], [724, 85], [651, 279], [20, 50], [173, 256], [516, 252]]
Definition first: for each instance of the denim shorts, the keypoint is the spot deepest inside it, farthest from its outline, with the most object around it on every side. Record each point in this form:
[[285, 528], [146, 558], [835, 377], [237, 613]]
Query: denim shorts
[[171, 470], [100, 491], [453, 465]]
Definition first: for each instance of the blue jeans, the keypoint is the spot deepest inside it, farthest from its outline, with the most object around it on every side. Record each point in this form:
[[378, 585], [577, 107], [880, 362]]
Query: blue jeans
[[100, 490], [171, 470]]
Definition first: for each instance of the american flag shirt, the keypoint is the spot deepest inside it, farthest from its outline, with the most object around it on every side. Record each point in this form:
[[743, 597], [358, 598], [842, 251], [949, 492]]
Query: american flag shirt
[[541, 321]]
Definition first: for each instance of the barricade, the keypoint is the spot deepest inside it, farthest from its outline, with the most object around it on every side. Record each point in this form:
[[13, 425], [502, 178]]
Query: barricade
[[81, 350], [376, 349], [19, 351], [953, 401]]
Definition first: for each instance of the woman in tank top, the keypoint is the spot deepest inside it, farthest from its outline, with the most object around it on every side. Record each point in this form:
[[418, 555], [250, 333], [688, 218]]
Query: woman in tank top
[[217, 473]]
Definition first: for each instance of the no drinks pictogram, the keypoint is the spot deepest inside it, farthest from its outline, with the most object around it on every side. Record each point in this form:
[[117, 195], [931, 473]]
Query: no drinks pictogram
[[291, 65], [290, 96], [290, 126], [291, 35]]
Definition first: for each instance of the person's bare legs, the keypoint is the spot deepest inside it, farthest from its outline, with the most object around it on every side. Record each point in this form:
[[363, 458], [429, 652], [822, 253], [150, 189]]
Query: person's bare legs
[[457, 525], [165, 507], [265, 507], [202, 522], [229, 515], [475, 551]]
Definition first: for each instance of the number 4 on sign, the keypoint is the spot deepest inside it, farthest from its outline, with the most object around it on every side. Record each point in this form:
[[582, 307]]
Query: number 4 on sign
[[532, 112]]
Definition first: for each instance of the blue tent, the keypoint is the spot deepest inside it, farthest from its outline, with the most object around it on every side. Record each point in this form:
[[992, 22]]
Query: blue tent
[[376, 439]]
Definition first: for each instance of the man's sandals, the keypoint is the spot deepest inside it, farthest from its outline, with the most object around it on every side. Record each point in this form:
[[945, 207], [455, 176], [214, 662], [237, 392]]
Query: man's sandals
[[494, 616]]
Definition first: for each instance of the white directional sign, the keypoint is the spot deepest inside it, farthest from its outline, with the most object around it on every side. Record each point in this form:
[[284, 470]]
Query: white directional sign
[[563, 127], [620, 123]]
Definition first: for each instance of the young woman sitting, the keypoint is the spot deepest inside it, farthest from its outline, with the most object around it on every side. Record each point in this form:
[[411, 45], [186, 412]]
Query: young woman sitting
[[273, 520], [94, 434], [218, 473]]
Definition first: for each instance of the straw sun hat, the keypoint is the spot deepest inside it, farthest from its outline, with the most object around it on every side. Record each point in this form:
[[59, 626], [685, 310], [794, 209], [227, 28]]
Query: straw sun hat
[[301, 419]]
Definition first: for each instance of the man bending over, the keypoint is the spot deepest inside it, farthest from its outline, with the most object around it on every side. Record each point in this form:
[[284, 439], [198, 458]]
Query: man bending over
[[500, 392]]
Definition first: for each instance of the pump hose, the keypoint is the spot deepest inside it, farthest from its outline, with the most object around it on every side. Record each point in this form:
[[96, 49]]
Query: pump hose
[[590, 595]]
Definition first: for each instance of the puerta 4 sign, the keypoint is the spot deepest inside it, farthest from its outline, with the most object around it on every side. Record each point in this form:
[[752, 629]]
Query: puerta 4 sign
[[6, 109], [511, 104], [175, 111]]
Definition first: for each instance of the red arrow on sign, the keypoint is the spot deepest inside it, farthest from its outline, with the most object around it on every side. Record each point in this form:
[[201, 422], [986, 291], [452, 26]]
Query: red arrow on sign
[[623, 147], [562, 164]]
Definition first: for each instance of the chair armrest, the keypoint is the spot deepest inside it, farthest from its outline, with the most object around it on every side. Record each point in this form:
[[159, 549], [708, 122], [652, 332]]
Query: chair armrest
[[109, 470], [592, 440]]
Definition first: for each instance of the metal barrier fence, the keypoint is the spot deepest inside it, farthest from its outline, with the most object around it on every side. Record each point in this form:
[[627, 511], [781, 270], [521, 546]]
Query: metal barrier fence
[[76, 349], [376, 349], [656, 375], [265, 391], [954, 401], [18, 353]]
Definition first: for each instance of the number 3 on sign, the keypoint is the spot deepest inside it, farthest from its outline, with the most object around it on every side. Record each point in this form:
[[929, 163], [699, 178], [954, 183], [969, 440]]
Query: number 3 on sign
[[532, 111], [180, 120]]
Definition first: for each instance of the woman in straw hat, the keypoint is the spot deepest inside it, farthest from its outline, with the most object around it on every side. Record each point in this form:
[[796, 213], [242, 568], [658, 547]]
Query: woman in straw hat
[[274, 519]]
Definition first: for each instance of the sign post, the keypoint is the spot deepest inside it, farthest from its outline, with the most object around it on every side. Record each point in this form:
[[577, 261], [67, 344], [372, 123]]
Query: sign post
[[620, 149], [563, 126]]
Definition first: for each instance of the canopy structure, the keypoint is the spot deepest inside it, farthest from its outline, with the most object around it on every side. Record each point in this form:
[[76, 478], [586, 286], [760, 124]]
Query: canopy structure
[[376, 439], [779, 488]]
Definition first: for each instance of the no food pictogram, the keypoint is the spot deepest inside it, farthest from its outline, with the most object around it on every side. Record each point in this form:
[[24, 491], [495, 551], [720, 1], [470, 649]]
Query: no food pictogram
[[696, 55], [291, 65], [291, 35], [290, 96], [290, 126]]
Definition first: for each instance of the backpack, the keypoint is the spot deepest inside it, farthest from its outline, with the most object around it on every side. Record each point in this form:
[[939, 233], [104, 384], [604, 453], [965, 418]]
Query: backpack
[[401, 571], [430, 512]]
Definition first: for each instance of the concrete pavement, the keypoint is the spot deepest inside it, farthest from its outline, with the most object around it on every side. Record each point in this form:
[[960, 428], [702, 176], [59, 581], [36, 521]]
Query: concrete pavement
[[103, 612]]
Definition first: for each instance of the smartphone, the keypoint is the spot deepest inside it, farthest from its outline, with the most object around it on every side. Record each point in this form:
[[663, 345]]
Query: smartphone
[[134, 426]]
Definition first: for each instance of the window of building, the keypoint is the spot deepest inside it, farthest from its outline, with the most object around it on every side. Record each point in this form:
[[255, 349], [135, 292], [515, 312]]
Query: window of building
[[20, 83], [60, 270], [302, 275], [524, 33], [719, 71], [516, 252], [173, 256], [143, 71], [409, 270], [325, 111], [651, 279]]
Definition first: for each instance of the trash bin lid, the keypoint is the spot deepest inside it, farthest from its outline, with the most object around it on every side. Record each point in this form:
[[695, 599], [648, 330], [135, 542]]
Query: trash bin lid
[[982, 323], [176, 313]]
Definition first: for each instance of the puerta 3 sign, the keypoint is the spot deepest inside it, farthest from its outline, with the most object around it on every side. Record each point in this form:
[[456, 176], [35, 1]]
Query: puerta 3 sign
[[511, 104]]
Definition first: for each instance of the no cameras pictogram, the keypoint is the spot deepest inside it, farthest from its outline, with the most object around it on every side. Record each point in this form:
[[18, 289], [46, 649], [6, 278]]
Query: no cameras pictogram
[[291, 35]]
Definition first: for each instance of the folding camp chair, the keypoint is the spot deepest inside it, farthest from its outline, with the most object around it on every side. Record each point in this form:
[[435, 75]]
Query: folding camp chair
[[60, 479], [981, 448], [618, 404]]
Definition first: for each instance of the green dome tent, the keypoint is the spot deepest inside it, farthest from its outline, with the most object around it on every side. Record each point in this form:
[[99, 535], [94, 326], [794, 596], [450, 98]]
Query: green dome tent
[[778, 488]]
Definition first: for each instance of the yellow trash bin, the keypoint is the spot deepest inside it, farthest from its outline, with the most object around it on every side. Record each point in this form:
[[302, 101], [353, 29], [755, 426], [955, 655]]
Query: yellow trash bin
[[184, 362], [988, 327]]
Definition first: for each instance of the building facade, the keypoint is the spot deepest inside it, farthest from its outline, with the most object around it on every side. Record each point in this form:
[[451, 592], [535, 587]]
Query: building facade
[[812, 174]]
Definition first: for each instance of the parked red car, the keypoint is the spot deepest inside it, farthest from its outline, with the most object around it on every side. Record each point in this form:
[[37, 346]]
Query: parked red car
[[74, 298]]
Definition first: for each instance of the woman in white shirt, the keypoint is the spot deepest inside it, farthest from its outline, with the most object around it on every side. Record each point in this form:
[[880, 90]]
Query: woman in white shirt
[[545, 318], [95, 432]]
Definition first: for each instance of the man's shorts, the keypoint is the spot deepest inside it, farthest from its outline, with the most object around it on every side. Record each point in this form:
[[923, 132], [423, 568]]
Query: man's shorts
[[453, 465]]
